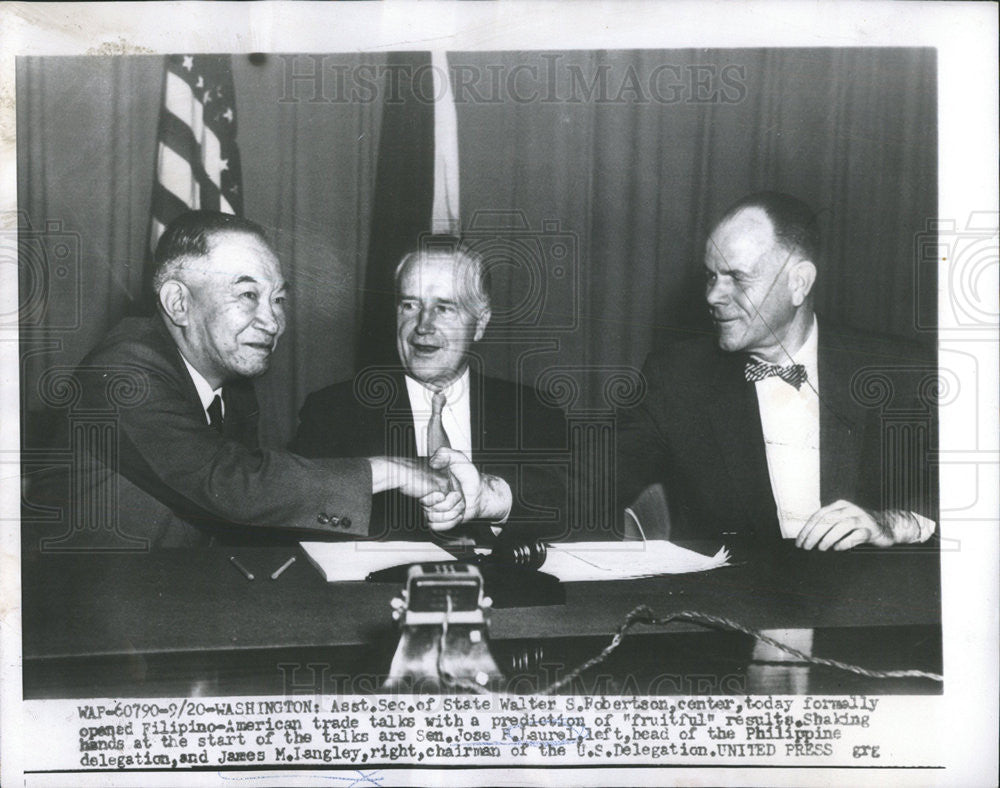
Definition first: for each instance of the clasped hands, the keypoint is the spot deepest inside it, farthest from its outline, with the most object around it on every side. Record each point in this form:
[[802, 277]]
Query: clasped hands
[[450, 489]]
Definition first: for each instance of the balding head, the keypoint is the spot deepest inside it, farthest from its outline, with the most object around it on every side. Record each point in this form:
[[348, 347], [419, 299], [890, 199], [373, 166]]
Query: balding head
[[759, 276]]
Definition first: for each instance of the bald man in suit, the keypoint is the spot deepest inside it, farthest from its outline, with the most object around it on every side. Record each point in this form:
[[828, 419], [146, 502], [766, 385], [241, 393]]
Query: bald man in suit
[[763, 431]]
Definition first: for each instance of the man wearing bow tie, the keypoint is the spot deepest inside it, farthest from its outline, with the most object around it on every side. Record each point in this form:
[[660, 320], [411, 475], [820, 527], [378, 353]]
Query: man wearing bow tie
[[765, 432]]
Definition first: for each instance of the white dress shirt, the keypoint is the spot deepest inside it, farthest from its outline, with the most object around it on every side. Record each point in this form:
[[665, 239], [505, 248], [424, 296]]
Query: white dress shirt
[[456, 417], [205, 391], [789, 419]]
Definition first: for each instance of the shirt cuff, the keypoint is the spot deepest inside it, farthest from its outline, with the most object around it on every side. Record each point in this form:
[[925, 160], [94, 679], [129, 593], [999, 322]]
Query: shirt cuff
[[906, 527], [503, 492], [925, 526]]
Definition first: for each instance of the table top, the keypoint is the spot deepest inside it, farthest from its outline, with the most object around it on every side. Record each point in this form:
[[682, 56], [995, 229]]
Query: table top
[[177, 600]]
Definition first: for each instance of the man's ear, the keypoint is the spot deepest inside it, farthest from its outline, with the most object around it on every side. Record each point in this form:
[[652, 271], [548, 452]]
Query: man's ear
[[175, 300], [481, 322], [801, 278]]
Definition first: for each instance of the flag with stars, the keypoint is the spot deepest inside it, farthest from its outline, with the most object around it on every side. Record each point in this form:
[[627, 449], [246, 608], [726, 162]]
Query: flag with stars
[[197, 161]]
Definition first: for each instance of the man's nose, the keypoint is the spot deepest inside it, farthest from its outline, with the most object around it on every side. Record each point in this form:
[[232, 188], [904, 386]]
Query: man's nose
[[269, 318], [425, 323], [716, 293]]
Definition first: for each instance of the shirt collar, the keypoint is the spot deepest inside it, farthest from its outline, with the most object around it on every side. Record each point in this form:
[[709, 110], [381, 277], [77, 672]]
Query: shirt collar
[[205, 391], [453, 393], [806, 355]]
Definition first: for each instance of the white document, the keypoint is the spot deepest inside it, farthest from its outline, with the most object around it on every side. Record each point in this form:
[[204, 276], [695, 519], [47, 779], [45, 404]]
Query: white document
[[345, 561], [572, 562], [587, 561]]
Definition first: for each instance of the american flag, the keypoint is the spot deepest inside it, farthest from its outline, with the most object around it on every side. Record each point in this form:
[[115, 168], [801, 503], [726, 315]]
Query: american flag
[[197, 161]]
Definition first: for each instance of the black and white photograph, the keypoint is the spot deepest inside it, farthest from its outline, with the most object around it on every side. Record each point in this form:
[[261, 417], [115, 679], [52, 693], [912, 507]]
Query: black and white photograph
[[482, 393]]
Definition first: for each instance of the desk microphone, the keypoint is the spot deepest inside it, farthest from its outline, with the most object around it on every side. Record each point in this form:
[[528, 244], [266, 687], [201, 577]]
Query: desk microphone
[[443, 617]]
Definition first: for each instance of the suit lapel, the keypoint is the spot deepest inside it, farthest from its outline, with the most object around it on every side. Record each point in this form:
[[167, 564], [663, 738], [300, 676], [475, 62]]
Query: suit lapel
[[389, 431], [841, 420], [476, 412], [242, 413], [397, 432], [171, 351], [735, 419]]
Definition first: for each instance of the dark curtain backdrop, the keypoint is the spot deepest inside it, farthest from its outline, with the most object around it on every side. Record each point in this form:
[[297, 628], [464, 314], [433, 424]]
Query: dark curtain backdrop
[[630, 187], [852, 132], [86, 153]]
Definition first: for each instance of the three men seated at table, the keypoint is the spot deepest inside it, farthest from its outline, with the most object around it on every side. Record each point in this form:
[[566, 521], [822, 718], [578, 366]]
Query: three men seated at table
[[757, 433]]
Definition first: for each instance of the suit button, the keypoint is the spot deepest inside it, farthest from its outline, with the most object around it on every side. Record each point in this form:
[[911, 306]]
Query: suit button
[[323, 518], [345, 522]]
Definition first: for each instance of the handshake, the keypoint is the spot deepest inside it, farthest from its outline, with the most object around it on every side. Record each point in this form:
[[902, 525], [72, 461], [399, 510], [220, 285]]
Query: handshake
[[448, 486]]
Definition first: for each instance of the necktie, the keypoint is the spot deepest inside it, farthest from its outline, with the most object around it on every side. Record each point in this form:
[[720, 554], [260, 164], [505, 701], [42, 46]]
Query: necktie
[[793, 374], [436, 436], [215, 413]]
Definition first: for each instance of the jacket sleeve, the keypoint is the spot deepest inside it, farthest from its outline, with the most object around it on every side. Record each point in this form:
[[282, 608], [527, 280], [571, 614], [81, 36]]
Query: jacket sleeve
[[166, 448]]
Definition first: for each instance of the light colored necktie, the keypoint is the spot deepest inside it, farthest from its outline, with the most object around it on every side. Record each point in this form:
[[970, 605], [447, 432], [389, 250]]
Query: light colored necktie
[[436, 436]]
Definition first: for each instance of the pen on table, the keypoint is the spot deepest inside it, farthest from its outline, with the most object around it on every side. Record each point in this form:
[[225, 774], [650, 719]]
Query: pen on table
[[282, 568], [246, 572]]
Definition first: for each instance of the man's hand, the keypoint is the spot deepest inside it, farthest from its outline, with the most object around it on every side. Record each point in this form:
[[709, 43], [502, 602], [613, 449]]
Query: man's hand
[[474, 496], [414, 478], [843, 525]]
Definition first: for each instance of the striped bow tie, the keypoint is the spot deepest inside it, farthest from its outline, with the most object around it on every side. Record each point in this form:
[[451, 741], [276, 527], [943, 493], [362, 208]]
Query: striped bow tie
[[793, 374]]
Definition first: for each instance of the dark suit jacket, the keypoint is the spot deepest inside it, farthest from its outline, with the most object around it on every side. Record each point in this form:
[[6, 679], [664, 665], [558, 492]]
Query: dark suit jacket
[[176, 480], [515, 436], [698, 432]]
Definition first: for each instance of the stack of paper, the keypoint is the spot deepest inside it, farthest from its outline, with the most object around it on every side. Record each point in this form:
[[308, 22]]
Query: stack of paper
[[571, 562], [343, 561], [575, 562]]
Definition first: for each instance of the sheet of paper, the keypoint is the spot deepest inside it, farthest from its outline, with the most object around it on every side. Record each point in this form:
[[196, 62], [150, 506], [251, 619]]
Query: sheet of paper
[[344, 561], [573, 562], [588, 561]]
